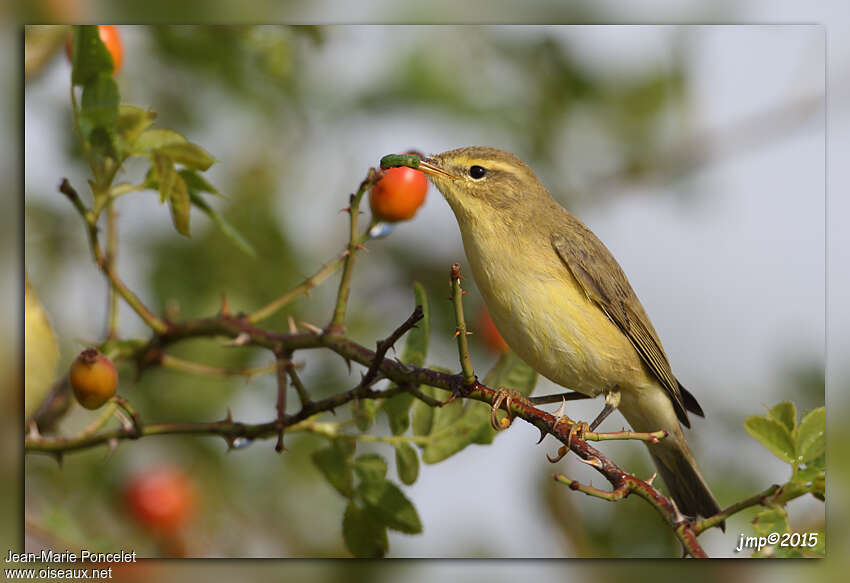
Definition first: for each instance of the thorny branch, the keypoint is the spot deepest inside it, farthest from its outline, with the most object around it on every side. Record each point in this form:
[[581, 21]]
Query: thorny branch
[[407, 378]]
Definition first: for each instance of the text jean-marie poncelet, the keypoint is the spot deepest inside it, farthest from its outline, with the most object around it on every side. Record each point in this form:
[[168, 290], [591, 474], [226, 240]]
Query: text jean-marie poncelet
[[84, 556]]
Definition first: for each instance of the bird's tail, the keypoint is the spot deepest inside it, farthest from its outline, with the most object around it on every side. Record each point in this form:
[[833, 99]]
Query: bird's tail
[[650, 410], [685, 484]]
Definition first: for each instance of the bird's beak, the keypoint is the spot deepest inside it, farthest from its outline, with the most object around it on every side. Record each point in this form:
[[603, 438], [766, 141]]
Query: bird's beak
[[430, 167]]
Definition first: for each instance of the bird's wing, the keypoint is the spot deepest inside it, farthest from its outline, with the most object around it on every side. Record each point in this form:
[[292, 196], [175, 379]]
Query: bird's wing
[[603, 280]]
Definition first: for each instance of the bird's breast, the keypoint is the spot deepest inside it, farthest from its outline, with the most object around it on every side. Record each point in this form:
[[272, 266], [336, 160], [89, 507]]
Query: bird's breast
[[546, 318]]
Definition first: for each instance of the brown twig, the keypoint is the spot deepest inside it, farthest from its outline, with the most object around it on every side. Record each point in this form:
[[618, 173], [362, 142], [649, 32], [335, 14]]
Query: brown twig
[[384, 345], [281, 359]]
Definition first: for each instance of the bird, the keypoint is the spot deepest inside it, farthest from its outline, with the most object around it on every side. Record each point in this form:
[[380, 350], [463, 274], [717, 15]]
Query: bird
[[564, 305]]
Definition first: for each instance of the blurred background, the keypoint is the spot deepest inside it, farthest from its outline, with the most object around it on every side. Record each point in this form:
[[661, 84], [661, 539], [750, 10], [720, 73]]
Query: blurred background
[[696, 153]]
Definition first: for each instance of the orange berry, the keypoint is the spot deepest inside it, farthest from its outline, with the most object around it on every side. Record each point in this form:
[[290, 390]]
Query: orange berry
[[93, 378], [111, 38], [161, 499], [398, 195], [489, 334]]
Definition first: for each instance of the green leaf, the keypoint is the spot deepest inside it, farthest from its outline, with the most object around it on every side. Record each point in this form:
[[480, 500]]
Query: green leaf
[[89, 56], [773, 435], [415, 350], [41, 352], [786, 413], [363, 411], [391, 506], [416, 346], [512, 372], [363, 533], [811, 470], [99, 103], [771, 520], [132, 121], [819, 486], [397, 409], [472, 427], [407, 463], [196, 182], [446, 415], [188, 154], [180, 206], [226, 228], [163, 167], [811, 439], [371, 468], [156, 138], [334, 462], [422, 415]]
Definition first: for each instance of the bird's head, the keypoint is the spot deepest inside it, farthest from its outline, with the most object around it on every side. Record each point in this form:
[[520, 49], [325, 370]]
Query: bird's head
[[480, 180]]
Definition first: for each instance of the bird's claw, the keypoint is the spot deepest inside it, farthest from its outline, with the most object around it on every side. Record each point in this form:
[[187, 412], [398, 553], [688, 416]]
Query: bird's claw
[[506, 396], [576, 428]]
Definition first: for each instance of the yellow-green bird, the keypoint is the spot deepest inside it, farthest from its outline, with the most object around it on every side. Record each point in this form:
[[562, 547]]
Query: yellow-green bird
[[564, 305]]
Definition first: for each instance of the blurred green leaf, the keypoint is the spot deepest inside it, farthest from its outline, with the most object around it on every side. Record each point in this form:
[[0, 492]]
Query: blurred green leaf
[[131, 122], [180, 205], [422, 414], [416, 346], [407, 463], [99, 103], [371, 467], [510, 371], [196, 182], [41, 352], [446, 415], [415, 350], [771, 520], [163, 167], [363, 411], [363, 533], [472, 427], [391, 506], [188, 154], [773, 435], [819, 486], [334, 462], [156, 138], [397, 409], [811, 439], [786, 413], [811, 469], [459, 424], [229, 230], [89, 56]]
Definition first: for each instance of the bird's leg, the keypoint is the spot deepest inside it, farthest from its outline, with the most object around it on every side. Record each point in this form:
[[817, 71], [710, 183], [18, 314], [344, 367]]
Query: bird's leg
[[506, 396], [612, 401]]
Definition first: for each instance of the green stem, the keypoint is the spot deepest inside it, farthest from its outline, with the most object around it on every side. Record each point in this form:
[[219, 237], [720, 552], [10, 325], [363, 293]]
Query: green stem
[[461, 333], [155, 323], [111, 259], [337, 325]]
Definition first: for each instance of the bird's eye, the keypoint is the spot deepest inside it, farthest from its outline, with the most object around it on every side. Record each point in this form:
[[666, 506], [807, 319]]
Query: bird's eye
[[477, 172]]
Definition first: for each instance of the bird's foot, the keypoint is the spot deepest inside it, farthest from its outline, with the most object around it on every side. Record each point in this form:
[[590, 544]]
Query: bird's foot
[[576, 429], [506, 396]]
